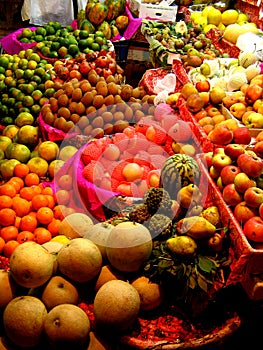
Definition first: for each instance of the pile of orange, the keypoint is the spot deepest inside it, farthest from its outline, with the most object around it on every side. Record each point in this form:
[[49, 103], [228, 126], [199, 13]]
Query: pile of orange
[[28, 211]]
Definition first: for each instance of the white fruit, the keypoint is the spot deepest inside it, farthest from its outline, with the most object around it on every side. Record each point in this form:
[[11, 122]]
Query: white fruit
[[246, 59], [252, 71], [236, 81]]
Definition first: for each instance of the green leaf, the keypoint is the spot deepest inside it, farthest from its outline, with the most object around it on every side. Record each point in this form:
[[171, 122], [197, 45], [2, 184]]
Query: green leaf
[[202, 282], [206, 264]]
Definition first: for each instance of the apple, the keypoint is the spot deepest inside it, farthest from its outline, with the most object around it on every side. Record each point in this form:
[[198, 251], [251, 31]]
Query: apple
[[203, 85], [221, 160], [260, 210], [132, 171], [253, 93], [212, 110], [243, 212], [233, 150], [208, 156], [112, 152], [231, 196], [241, 135], [188, 149], [253, 196], [250, 164], [228, 174], [253, 229], [220, 184], [259, 181], [214, 172], [258, 149], [221, 135], [242, 182]]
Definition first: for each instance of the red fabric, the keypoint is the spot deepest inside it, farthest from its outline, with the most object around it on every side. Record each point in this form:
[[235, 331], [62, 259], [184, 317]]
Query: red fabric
[[12, 45]]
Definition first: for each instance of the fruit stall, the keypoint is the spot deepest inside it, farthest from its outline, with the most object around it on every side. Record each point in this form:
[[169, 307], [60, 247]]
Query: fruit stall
[[131, 177]]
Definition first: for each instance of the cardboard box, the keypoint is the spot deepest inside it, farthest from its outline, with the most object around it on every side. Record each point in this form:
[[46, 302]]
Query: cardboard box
[[161, 12]]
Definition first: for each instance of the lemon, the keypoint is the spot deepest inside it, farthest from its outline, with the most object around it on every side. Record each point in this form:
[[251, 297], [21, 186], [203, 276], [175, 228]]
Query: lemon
[[208, 27], [221, 26], [201, 21], [229, 16], [242, 17], [206, 10], [60, 239], [214, 17], [194, 15]]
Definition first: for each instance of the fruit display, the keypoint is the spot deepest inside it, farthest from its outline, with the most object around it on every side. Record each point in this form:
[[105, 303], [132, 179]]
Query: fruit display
[[25, 85], [65, 42], [123, 212]]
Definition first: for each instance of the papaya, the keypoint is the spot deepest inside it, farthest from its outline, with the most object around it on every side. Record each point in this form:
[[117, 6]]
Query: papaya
[[97, 13], [115, 8], [87, 25], [105, 28]]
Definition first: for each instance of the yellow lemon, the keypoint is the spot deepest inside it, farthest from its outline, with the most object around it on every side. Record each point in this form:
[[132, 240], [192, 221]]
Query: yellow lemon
[[208, 27], [214, 17], [221, 26], [229, 16], [201, 21], [206, 10], [242, 17], [60, 239]]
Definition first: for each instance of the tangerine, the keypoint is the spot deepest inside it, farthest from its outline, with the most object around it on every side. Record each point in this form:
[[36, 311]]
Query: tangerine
[[2, 244], [9, 247], [8, 189], [51, 201], [28, 223], [65, 182], [5, 201], [39, 201], [53, 227], [21, 170], [8, 233], [42, 235], [45, 215], [47, 190], [62, 197], [7, 216], [32, 179], [24, 236], [21, 206], [27, 193], [59, 211], [17, 180]]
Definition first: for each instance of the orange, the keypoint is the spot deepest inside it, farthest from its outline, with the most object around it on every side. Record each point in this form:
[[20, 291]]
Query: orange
[[28, 223], [53, 227], [39, 201], [27, 193], [7, 216], [59, 211], [17, 180], [8, 233], [51, 201], [2, 243], [9, 247], [33, 213], [17, 221], [21, 206], [25, 236], [21, 170], [45, 215], [32, 179], [42, 235], [15, 184], [8, 189], [62, 197], [5, 201], [47, 190], [37, 189]]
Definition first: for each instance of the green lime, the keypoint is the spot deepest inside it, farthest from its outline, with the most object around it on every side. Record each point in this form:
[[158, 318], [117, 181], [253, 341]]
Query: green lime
[[49, 29], [99, 40], [53, 54], [99, 33], [35, 109], [7, 120], [83, 44], [54, 46], [24, 40], [41, 31], [36, 78], [40, 71], [83, 34], [4, 61], [73, 50], [2, 86], [2, 70], [95, 47], [49, 92], [39, 38], [28, 101], [90, 41]]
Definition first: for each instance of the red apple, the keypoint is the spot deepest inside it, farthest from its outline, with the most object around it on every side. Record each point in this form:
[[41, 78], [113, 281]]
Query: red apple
[[250, 164], [241, 135], [253, 93], [243, 182], [253, 197], [214, 172], [208, 156], [203, 85], [258, 149], [253, 229], [231, 196], [228, 174], [233, 150], [243, 212], [221, 160], [260, 210]]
